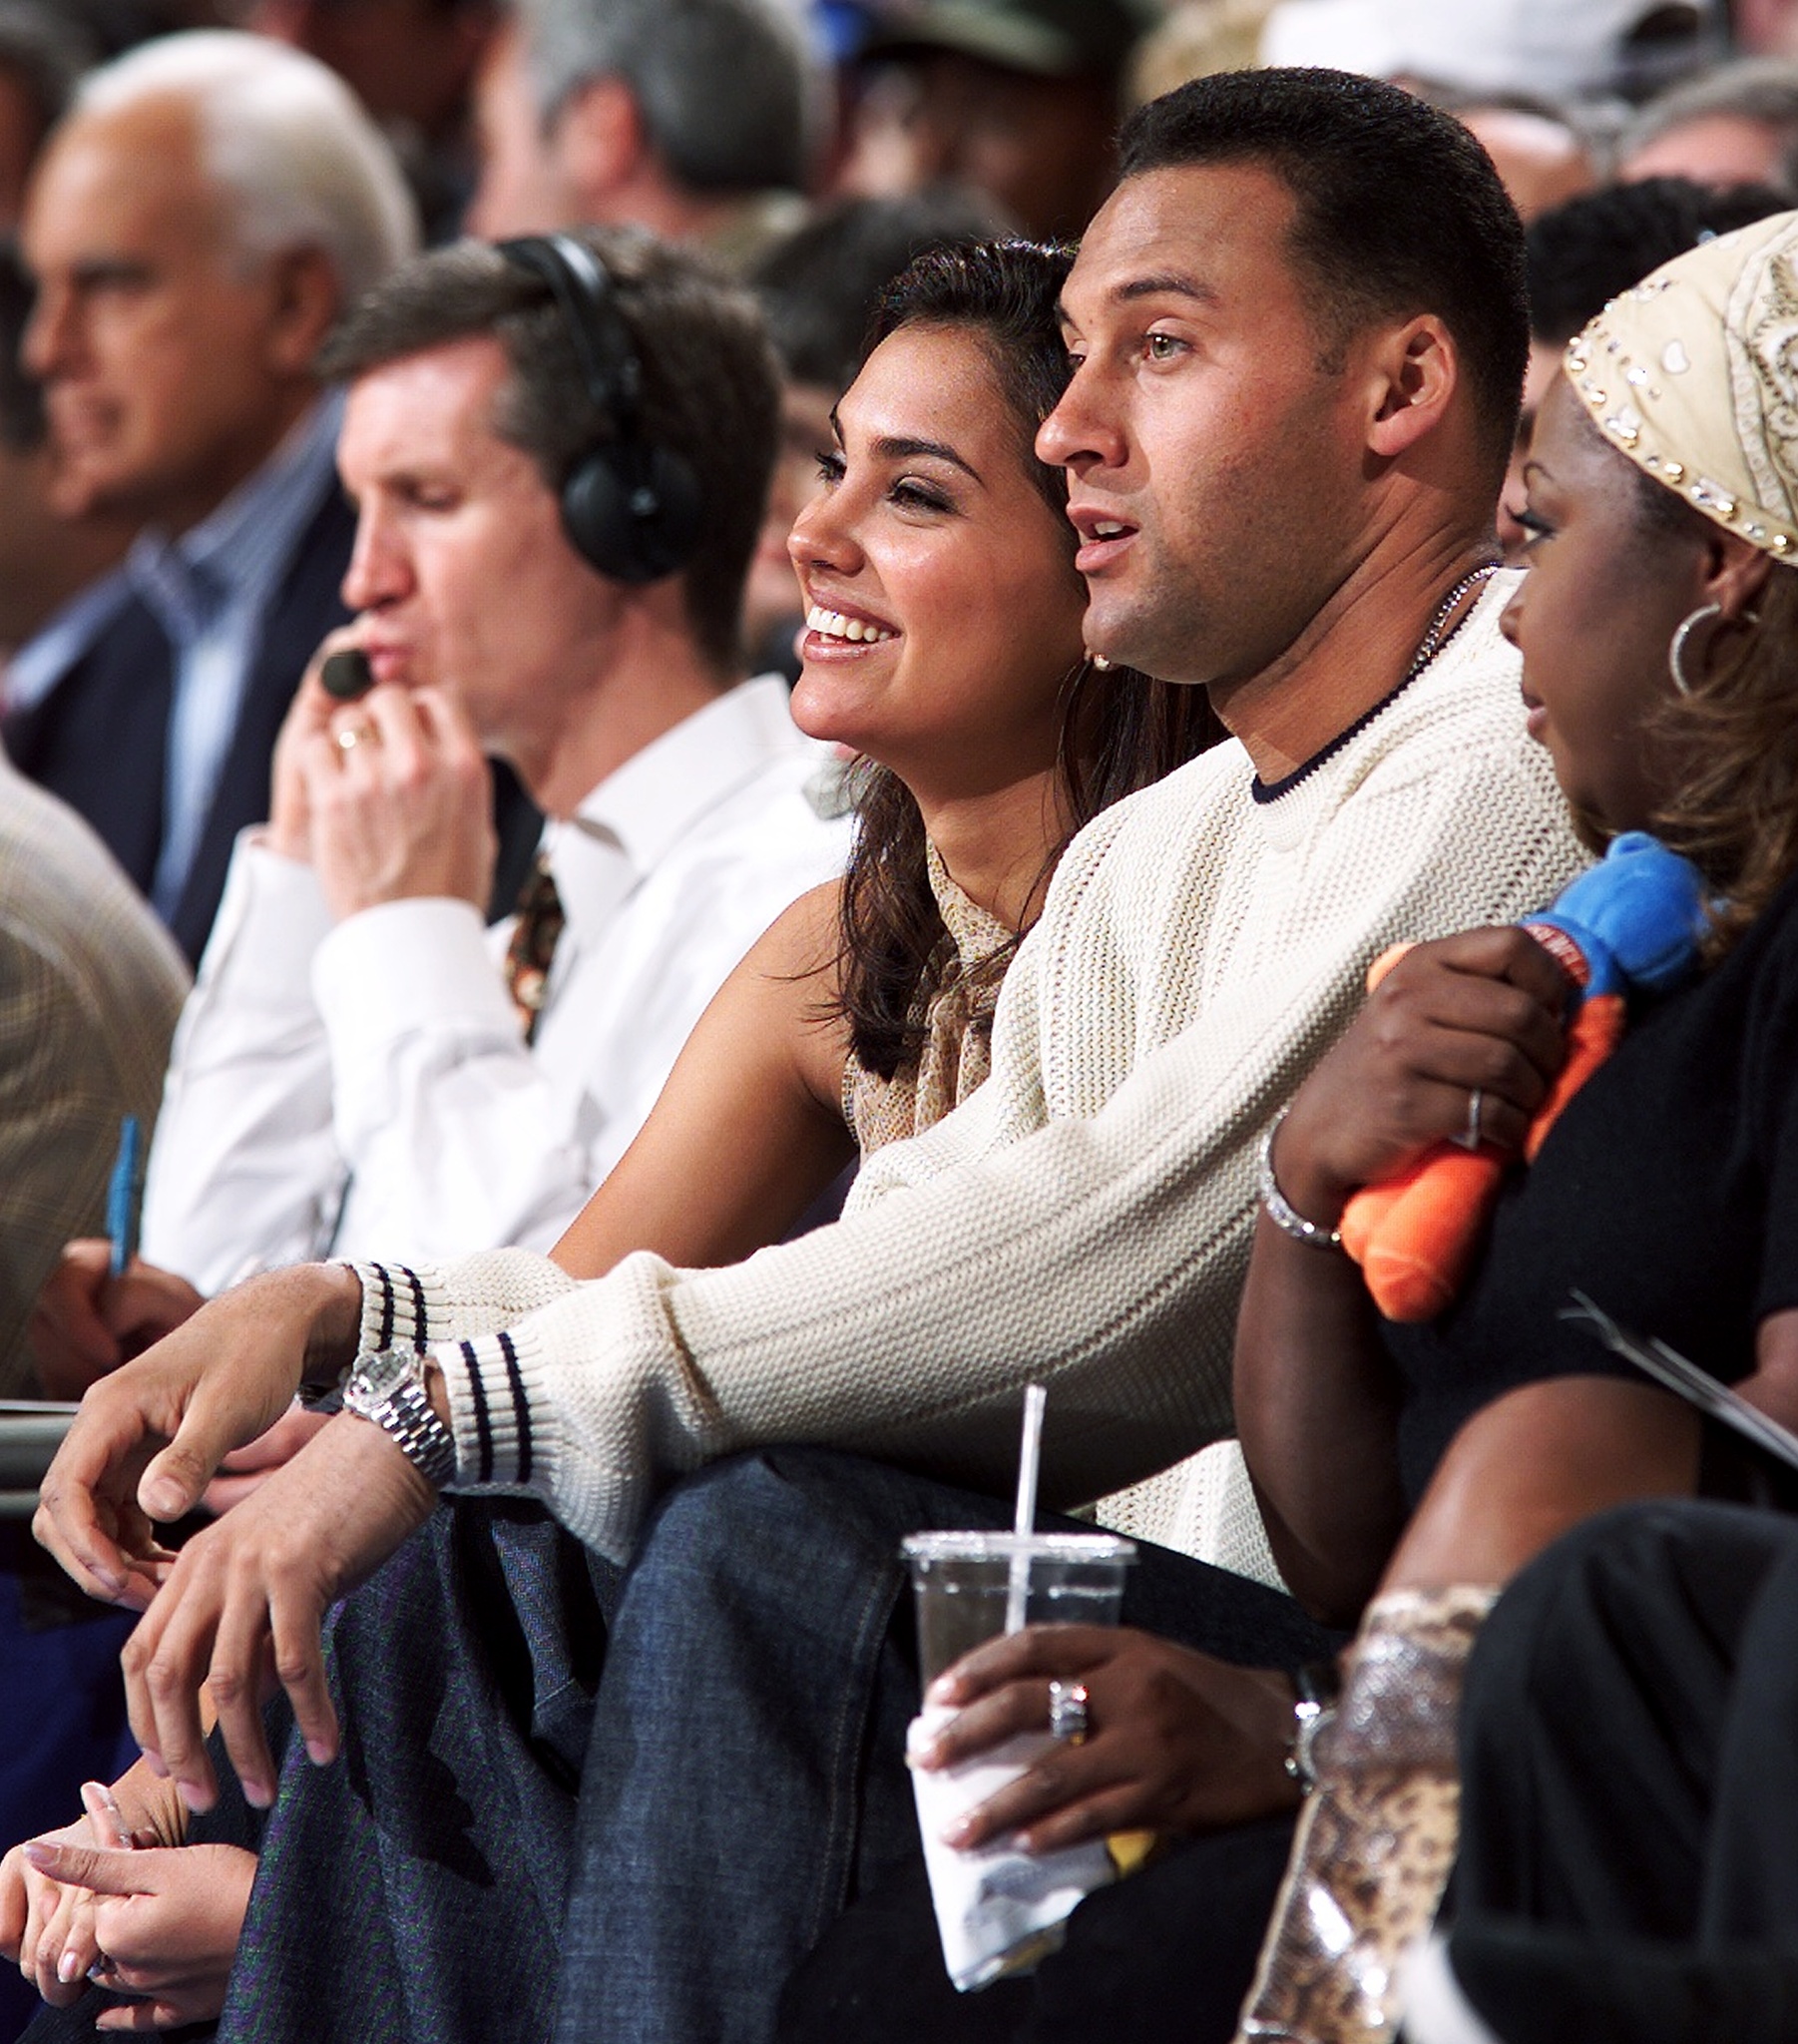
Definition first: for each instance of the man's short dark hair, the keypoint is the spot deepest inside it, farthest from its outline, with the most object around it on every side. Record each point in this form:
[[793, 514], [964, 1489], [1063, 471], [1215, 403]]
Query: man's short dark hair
[[711, 389], [1398, 209], [1582, 254]]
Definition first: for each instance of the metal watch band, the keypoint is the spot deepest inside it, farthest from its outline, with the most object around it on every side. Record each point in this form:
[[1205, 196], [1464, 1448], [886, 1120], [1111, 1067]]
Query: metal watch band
[[413, 1426], [388, 1389], [1285, 1216]]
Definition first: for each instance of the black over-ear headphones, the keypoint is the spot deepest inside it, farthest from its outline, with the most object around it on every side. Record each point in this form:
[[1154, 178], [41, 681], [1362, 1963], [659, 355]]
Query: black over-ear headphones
[[629, 507]]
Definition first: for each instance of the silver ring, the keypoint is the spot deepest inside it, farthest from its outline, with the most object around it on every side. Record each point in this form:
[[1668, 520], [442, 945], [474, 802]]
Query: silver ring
[[1068, 1719], [1469, 1139], [350, 736]]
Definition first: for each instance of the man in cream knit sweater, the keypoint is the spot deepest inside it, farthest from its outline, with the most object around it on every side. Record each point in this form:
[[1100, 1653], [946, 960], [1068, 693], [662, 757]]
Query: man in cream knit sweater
[[1298, 335]]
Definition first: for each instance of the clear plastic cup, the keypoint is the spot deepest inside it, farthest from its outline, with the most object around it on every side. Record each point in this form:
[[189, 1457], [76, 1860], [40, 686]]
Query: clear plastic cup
[[963, 1585], [999, 1909]]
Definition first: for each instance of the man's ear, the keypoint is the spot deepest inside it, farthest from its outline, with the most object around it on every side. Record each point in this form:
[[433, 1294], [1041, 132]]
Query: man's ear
[[1412, 374], [306, 296], [598, 144]]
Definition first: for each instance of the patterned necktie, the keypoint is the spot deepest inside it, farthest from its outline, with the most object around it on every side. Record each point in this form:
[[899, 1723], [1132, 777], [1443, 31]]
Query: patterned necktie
[[533, 945]]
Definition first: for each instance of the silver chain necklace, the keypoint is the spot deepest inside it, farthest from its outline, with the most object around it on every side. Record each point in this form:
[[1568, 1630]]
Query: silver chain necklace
[[1439, 635]]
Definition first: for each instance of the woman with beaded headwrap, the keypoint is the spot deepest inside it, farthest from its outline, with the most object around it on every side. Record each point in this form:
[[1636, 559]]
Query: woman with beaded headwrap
[[1406, 1472], [1659, 625]]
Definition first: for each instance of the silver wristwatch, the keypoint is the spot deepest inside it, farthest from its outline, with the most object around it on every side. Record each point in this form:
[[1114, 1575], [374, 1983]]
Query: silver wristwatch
[[1316, 1687], [387, 1386]]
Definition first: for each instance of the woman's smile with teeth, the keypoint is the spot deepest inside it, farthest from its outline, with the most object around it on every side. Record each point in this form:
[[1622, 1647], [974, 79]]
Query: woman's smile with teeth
[[833, 625]]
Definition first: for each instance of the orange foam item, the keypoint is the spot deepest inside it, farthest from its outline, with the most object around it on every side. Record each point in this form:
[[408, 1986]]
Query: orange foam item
[[1414, 1234]]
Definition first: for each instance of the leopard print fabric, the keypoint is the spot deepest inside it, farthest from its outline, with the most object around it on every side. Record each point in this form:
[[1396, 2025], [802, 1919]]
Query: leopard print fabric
[[1376, 1839]]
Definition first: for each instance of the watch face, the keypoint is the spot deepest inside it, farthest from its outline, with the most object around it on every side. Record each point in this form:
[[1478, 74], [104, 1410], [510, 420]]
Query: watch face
[[376, 1377]]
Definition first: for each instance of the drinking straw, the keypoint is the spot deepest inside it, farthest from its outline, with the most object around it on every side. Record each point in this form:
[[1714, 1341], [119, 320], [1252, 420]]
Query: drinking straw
[[1029, 1456]]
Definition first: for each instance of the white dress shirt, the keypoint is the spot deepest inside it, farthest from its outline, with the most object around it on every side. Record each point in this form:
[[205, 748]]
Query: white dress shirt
[[365, 1089]]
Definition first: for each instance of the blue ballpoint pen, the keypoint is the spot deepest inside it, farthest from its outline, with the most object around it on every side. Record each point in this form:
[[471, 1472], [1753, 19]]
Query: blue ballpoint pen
[[124, 1196]]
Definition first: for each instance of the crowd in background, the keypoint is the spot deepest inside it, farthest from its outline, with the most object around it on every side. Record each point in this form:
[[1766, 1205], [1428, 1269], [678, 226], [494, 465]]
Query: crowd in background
[[994, 117]]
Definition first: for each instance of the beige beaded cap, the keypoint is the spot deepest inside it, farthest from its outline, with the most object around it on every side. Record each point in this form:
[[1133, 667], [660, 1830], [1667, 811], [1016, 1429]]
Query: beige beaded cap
[[1693, 374]]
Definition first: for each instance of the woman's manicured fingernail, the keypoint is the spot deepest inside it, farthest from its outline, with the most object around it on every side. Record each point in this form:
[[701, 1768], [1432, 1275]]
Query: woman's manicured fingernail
[[318, 1753], [257, 1793], [67, 1967], [942, 1691], [959, 1832], [43, 1858]]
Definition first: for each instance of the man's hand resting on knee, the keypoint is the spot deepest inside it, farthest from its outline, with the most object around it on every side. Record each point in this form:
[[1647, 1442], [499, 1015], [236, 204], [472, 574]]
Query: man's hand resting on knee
[[149, 1435], [244, 1604]]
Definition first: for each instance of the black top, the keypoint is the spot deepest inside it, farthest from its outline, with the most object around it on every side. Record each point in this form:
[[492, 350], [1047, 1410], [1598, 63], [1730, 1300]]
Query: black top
[[1668, 1192]]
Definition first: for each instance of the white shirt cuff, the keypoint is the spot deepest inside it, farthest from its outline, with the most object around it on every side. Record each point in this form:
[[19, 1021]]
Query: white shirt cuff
[[271, 921]]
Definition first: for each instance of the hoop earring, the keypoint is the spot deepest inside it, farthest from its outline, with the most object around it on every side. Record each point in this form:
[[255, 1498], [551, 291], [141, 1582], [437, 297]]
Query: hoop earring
[[1676, 650]]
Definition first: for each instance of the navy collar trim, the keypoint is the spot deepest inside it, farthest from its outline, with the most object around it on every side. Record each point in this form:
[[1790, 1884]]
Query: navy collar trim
[[1271, 790]]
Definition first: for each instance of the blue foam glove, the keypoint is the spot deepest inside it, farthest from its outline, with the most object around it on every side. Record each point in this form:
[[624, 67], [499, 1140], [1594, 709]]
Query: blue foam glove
[[1637, 916]]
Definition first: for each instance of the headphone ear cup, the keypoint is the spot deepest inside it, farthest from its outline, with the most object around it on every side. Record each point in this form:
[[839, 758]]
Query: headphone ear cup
[[633, 513]]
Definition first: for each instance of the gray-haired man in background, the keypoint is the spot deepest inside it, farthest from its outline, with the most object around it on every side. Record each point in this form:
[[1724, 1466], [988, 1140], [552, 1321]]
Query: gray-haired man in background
[[695, 118], [196, 224]]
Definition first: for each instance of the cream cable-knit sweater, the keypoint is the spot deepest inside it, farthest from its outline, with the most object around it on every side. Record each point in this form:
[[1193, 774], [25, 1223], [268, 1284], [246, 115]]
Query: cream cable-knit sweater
[[1084, 1220]]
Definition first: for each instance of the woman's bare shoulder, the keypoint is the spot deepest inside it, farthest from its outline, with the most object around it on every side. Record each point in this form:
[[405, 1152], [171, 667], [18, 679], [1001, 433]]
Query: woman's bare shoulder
[[803, 941]]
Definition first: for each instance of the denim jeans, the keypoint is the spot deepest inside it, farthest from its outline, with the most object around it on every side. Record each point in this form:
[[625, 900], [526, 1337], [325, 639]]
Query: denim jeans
[[746, 1779], [743, 1776]]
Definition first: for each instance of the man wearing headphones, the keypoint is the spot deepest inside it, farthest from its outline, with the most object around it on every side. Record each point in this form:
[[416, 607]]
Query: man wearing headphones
[[559, 449]]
